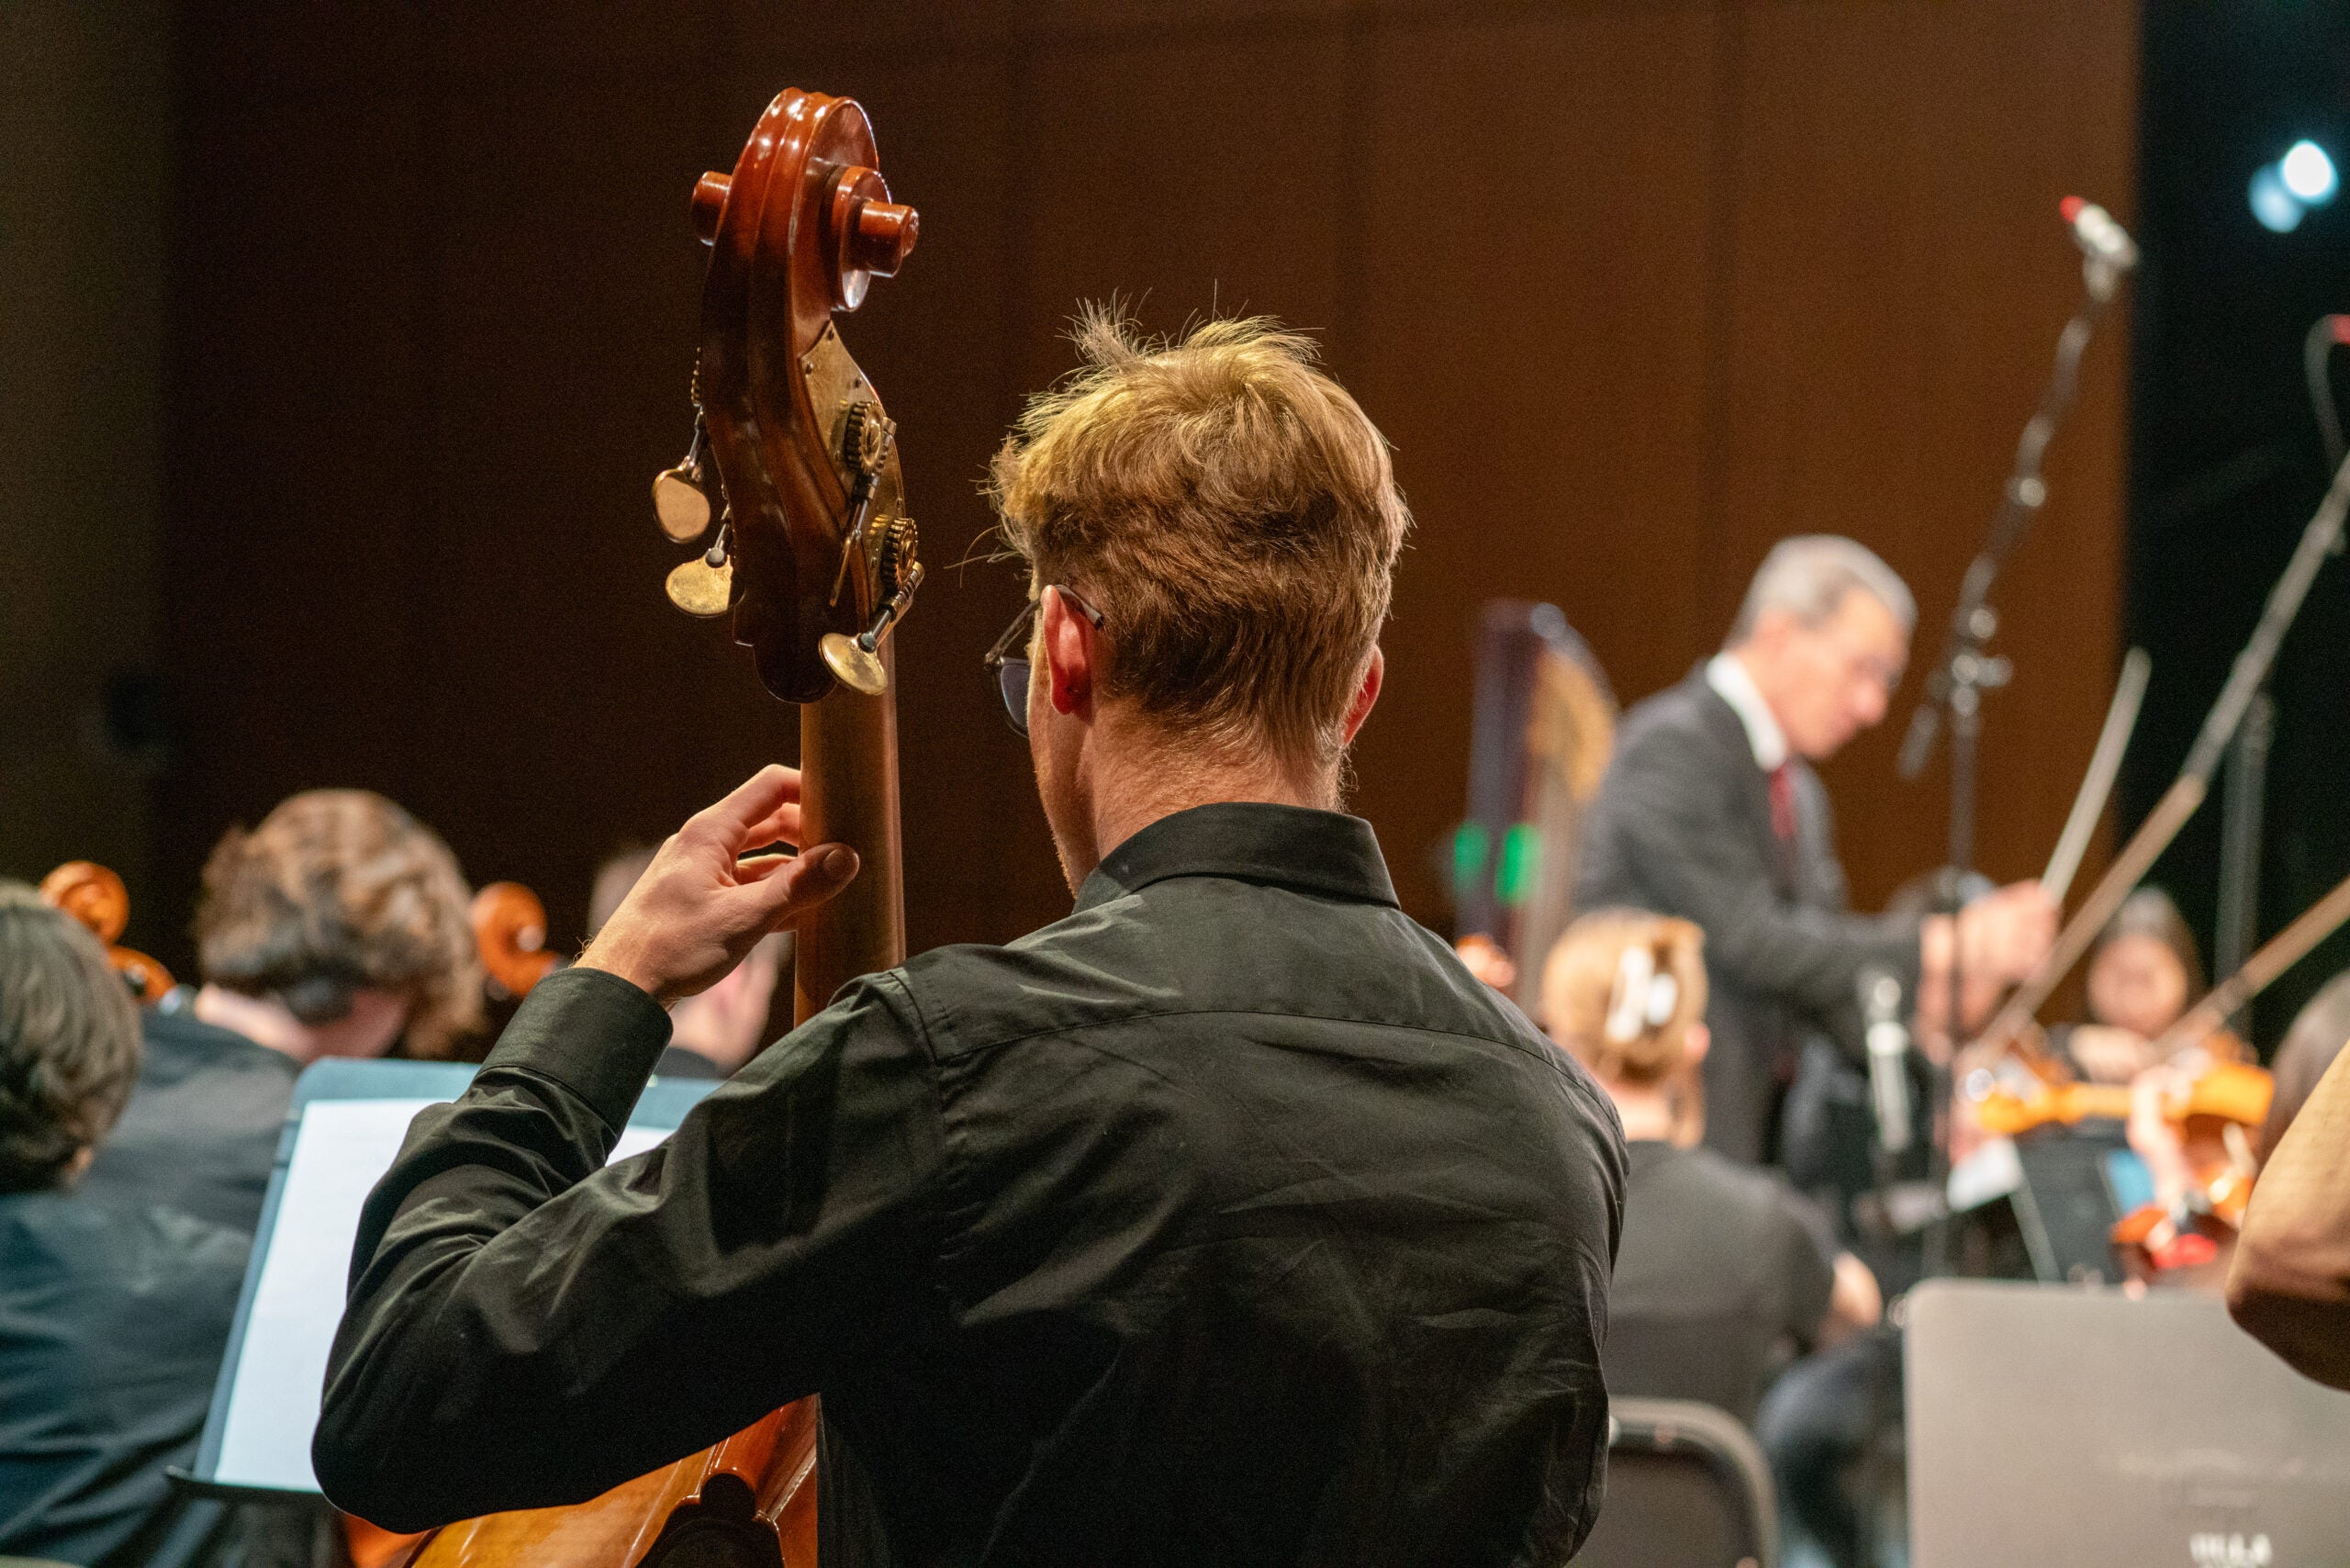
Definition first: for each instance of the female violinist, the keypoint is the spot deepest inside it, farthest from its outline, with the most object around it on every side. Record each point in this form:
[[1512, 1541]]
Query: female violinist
[[2144, 973]]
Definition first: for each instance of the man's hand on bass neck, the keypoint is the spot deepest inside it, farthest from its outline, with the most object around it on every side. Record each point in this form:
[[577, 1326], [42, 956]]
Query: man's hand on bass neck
[[707, 899]]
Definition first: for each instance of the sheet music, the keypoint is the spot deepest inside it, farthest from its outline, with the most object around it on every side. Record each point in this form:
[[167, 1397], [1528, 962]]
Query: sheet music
[[342, 1149]]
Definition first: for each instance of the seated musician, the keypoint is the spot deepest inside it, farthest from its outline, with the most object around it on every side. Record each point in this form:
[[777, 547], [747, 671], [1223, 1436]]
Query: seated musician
[[712, 1034], [113, 1318], [1724, 1271], [1227, 1220], [338, 927], [1710, 810], [2143, 974]]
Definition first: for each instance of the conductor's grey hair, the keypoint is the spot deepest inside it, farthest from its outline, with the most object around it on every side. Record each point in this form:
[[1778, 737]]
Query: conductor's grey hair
[[1808, 575]]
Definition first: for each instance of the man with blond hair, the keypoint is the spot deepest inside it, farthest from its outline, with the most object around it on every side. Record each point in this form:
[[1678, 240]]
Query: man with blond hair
[[1228, 1220]]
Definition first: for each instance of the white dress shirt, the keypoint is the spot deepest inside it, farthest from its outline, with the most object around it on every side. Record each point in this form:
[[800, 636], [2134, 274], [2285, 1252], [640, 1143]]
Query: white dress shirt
[[1729, 681]]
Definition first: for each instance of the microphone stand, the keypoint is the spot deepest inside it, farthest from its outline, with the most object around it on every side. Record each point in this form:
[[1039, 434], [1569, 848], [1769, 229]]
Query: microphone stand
[[1965, 671]]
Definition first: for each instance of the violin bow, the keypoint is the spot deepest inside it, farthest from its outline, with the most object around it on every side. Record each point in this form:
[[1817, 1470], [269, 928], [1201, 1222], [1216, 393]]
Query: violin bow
[[2279, 952], [2319, 540], [2097, 784]]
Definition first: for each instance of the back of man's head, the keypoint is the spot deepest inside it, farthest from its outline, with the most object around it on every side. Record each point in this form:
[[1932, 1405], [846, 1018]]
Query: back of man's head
[[1232, 512], [1807, 576], [69, 1042], [340, 890]]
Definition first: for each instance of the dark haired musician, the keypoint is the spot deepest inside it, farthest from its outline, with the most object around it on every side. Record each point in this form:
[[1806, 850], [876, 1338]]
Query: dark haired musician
[[1227, 1220], [113, 1316], [1710, 810]]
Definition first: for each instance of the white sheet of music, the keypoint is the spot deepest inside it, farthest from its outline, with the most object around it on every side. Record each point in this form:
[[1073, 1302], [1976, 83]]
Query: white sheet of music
[[342, 1149]]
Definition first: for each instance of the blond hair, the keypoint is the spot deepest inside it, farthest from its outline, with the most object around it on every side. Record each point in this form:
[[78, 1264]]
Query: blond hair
[[1233, 513], [338, 891], [1621, 990]]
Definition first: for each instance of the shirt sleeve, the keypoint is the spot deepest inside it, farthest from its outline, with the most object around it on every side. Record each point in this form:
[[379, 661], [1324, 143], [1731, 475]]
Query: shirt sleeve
[[1698, 865], [528, 1326], [1806, 1263]]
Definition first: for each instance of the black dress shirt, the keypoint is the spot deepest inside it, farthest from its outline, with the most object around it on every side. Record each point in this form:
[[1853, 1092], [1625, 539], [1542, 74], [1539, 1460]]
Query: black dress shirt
[[201, 1130], [112, 1324], [1227, 1220], [1683, 826]]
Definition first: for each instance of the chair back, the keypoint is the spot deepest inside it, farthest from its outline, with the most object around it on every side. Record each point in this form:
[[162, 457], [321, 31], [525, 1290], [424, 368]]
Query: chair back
[[1687, 1487]]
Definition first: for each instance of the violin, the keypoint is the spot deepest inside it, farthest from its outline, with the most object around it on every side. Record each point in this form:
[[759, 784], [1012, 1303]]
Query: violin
[[2205, 1117], [2231, 1090], [814, 558], [96, 899]]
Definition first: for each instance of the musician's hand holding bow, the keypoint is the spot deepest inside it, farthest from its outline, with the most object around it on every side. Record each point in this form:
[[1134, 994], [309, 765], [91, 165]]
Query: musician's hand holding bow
[[2107, 1054], [2008, 932], [1998, 940], [707, 899]]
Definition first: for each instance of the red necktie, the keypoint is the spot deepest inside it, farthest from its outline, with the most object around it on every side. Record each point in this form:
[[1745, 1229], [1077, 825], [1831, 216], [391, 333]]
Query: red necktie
[[1782, 805]]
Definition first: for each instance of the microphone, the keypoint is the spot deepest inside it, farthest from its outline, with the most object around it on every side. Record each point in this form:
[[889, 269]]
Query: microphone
[[1889, 1043], [2106, 245]]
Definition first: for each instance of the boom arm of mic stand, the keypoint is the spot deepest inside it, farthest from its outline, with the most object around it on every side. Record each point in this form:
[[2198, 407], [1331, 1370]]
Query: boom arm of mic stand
[[1970, 623]]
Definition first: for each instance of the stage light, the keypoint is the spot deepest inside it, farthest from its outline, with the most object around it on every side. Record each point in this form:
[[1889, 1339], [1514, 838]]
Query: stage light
[[2279, 210], [2309, 173]]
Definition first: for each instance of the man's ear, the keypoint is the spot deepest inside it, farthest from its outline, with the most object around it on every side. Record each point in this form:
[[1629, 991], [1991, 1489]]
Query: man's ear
[[1374, 673], [1069, 651]]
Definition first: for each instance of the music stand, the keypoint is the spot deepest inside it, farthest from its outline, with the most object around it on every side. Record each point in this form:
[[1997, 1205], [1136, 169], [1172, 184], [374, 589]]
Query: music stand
[[2086, 1427], [341, 1134]]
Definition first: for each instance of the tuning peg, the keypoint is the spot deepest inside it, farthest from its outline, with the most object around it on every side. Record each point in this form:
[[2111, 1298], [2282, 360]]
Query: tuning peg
[[681, 495], [705, 588], [857, 660]]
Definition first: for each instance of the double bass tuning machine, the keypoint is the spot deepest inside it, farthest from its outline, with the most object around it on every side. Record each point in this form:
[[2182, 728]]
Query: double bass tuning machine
[[681, 495], [703, 586]]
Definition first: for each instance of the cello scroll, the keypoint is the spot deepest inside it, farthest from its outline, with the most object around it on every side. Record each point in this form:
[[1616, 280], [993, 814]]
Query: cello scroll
[[95, 898]]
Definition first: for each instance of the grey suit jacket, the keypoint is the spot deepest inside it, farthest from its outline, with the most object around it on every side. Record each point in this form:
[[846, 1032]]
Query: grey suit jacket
[[1683, 826]]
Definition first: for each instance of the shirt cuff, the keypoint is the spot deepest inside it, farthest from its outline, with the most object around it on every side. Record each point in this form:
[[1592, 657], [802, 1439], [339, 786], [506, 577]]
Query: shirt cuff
[[590, 1031]]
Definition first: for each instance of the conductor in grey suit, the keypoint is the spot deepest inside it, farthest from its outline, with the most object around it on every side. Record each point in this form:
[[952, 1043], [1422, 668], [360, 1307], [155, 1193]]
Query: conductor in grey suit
[[1710, 810]]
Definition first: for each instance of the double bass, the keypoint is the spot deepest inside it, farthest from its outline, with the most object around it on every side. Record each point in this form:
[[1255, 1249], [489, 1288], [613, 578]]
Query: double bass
[[814, 558]]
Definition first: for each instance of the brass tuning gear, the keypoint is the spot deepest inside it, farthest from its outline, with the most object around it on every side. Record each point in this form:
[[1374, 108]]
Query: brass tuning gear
[[681, 495], [857, 660], [899, 539], [867, 435]]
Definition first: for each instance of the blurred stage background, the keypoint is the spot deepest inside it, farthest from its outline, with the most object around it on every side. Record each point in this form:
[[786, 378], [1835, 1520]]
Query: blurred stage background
[[342, 345]]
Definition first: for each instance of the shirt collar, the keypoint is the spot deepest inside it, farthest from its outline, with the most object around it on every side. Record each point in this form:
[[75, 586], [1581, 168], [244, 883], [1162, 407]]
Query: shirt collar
[[1290, 847], [1730, 682]]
